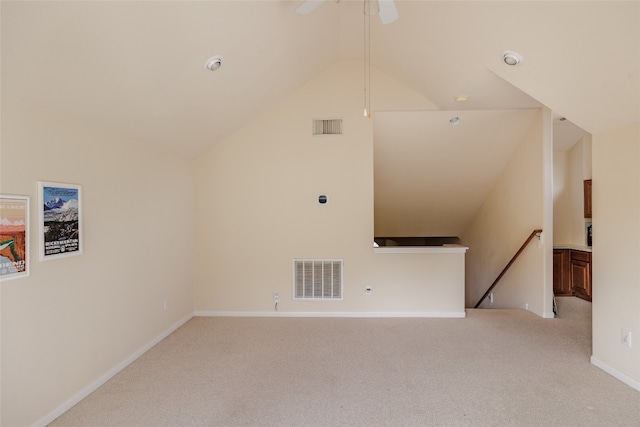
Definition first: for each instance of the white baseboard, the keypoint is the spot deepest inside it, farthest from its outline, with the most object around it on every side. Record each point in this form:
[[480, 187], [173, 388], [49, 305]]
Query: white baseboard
[[73, 400], [543, 314], [438, 314], [616, 374]]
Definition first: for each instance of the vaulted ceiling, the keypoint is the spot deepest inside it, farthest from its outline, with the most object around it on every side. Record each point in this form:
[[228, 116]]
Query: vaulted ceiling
[[136, 68]]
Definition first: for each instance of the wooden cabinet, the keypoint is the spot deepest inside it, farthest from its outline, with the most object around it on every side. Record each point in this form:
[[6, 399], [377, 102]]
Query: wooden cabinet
[[587, 198], [562, 272], [581, 274], [572, 273]]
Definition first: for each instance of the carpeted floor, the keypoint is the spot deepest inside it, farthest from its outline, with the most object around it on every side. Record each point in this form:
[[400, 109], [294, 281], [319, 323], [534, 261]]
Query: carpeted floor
[[494, 368]]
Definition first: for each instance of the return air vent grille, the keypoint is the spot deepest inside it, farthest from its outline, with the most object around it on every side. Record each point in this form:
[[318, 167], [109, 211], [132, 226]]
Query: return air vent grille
[[327, 126], [317, 279]]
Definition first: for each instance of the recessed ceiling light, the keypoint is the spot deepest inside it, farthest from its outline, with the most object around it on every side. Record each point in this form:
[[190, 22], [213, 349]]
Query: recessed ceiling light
[[213, 63], [454, 121], [461, 98], [512, 58]]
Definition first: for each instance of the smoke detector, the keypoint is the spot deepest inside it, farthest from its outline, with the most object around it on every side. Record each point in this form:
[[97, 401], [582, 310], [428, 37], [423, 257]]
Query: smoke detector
[[213, 63], [512, 58]]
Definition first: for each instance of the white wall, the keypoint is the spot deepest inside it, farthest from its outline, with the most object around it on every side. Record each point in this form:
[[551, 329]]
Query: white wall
[[562, 198], [513, 209], [571, 168], [616, 251], [74, 319], [257, 209]]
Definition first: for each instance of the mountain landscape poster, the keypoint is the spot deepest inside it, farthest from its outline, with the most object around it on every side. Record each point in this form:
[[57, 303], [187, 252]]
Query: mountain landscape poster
[[60, 220], [14, 237]]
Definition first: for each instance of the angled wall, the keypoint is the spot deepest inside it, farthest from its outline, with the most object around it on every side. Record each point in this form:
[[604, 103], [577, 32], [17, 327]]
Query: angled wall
[[514, 208]]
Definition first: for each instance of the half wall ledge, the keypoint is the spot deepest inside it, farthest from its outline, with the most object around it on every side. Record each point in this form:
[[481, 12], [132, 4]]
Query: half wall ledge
[[443, 249]]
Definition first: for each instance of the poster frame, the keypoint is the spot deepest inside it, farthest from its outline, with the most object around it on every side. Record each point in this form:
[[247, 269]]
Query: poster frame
[[46, 189], [7, 226]]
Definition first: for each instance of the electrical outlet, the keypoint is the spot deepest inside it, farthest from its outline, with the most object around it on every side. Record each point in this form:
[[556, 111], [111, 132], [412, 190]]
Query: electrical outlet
[[166, 304], [276, 298], [626, 337], [368, 290]]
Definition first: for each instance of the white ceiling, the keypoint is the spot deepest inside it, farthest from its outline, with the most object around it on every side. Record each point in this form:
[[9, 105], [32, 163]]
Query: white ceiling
[[135, 69]]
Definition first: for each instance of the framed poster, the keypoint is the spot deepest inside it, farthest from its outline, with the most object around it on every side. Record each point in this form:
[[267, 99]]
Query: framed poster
[[14, 237], [60, 220]]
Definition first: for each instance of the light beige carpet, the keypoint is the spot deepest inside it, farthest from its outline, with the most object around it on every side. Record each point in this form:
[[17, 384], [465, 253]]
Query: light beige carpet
[[494, 368]]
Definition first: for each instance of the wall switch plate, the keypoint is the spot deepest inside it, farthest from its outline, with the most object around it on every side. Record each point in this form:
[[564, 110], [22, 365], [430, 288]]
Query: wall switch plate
[[166, 304], [368, 290], [626, 337]]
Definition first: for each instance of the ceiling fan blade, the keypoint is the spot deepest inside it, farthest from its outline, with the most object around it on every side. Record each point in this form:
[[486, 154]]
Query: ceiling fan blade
[[308, 6], [388, 11]]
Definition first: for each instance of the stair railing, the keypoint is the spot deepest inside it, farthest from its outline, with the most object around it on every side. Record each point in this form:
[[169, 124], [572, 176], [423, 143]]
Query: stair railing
[[495, 282]]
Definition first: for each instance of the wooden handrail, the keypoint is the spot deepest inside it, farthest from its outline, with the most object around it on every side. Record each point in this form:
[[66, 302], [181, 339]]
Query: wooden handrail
[[495, 282]]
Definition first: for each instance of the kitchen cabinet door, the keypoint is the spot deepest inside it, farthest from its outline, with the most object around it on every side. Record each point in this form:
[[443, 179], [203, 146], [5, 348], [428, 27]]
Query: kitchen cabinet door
[[587, 199], [581, 274], [562, 272]]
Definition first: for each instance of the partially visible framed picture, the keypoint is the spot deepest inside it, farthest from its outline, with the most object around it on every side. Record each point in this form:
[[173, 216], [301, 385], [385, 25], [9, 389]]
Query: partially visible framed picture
[[14, 237], [60, 220]]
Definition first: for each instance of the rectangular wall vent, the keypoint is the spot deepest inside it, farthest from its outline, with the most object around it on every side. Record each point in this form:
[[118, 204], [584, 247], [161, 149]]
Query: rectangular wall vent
[[317, 279], [327, 126]]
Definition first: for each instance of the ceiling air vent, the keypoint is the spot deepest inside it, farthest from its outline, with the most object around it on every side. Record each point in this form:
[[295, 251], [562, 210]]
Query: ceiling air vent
[[327, 126]]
